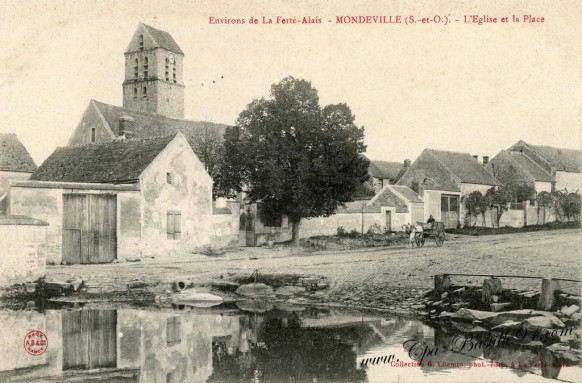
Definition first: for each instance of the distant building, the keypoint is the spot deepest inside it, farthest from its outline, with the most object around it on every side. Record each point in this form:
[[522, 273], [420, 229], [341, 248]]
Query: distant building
[[517, 168], [442, 178], [564, 165], [15, 164], [384, 173]]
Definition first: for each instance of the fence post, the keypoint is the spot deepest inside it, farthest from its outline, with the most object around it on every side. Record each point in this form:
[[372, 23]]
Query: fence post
[[441, 283], [549, 287]]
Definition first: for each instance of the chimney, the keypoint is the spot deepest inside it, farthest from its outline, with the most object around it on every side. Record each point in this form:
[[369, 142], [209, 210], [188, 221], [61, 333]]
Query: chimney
[[485, 160], [476, 157], [406, 164], [126, 125]]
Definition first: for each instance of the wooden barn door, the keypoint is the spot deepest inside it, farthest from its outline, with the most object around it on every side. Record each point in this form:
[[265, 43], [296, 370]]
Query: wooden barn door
[[450, 211], [89, 228]]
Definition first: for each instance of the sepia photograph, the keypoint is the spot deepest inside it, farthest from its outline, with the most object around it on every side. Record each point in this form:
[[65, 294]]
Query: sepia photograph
[[312, 191]]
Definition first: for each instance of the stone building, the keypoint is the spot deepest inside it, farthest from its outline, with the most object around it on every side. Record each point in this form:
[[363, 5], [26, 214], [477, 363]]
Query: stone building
[[442, 178], [123, 199], [563, 165], [154, 73]]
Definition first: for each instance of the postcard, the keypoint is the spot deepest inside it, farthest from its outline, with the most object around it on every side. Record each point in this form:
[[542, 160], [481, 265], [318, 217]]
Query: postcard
[[290, 191]]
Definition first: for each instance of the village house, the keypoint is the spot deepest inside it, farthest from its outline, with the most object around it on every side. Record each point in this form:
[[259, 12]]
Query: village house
[[389, 209], [123, 199], [442, 178], [512, 167], [15, 164], [384, 173], [563, 165]]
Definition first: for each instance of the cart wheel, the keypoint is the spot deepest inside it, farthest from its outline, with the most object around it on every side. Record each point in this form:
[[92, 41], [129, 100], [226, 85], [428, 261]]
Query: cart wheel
[[439, 238]]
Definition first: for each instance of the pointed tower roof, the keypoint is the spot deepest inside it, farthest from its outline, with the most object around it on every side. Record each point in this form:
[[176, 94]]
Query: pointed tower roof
[[160, 39]]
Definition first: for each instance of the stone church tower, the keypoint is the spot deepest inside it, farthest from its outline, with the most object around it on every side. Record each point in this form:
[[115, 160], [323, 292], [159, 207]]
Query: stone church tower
[[154, 73]]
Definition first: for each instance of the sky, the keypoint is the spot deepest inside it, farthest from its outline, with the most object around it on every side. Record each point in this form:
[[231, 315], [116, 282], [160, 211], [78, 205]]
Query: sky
[[456, 86]]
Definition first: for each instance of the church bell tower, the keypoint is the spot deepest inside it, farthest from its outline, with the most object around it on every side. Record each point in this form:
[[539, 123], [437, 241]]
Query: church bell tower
[[154, 73]]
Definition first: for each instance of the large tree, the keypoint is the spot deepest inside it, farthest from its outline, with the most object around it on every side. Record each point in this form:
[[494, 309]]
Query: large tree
[[293, 156]]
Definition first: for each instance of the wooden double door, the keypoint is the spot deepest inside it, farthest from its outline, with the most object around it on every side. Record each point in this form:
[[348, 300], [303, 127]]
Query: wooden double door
[[450, 211], [89, 228]]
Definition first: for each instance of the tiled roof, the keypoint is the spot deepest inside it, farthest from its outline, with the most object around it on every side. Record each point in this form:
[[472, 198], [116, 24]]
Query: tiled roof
[[356, 207], [13, 155], [430, 174], [163, 39], [408, 193], [119, 161], [385, 169], [386, 197], [155, 125], [533, 169], [567, 160], [364, 192], [465, 167]]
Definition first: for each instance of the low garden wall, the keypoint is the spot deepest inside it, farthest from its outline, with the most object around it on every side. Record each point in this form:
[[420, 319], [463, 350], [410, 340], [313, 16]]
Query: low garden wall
[[23, 241]]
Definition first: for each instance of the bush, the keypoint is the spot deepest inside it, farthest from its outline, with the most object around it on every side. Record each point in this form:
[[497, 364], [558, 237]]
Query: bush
[[341, 232], [353, 233], [375, 229]]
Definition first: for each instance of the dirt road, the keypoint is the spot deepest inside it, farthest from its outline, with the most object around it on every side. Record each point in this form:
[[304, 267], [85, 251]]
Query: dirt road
[[545, 254]]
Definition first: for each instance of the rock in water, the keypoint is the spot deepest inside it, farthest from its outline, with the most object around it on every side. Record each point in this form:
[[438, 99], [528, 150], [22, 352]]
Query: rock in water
[[287, 291], [255, 290], [193, 297]]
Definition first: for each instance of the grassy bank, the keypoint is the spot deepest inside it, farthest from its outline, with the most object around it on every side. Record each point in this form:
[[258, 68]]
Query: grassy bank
[[478, 231]]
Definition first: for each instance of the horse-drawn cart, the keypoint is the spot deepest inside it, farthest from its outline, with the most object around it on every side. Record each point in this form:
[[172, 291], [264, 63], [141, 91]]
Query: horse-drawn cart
[[435, 230]]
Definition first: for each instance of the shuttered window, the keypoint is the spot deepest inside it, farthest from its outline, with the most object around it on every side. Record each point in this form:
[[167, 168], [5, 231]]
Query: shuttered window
[[174, 224]]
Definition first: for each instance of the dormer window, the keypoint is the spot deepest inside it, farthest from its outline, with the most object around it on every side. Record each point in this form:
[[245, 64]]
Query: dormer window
[[141, 42]]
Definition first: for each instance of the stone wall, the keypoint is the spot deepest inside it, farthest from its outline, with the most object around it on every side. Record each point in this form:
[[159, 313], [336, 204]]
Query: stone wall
[[187, 192], [23, 242], [44, 200]]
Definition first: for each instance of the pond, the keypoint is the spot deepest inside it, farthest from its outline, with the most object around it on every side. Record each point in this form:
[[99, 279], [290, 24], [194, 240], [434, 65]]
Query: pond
[[250, 342]]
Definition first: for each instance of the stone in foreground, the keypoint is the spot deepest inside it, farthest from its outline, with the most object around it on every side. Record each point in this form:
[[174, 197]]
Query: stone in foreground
[[255, 290]]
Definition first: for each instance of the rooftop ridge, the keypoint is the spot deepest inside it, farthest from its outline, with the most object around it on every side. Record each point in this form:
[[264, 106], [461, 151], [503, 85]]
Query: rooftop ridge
[[155, 115], [105, 143]]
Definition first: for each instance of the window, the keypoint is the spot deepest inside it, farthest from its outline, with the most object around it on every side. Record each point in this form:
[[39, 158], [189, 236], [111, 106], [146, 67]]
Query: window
[[93, 135], [173, 330], [136, 68], [174, 224], [169, 178], [145, 67], [145, 91], [134, 92], [174, 74], [141, 42]]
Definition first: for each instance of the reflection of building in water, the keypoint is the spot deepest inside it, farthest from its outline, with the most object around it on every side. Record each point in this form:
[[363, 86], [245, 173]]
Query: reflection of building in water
[[128, 345]]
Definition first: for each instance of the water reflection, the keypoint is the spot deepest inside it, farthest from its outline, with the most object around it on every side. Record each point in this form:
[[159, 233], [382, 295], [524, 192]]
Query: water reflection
[[244, 343]]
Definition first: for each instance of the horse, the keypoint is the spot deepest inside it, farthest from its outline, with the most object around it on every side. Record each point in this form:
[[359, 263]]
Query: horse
[[412, 231]]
